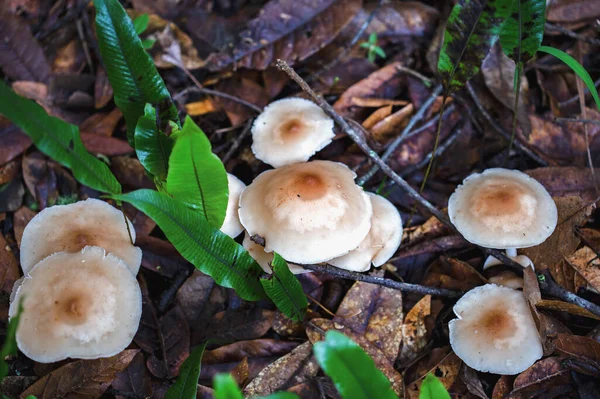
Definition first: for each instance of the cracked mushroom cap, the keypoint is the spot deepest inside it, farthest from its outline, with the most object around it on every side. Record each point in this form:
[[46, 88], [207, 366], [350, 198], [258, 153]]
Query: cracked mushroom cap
[[231, 225], [494, 331], [69, 228], [382, 241], [502, 208], [264, 259], [289, 131], [307, 212], [82, 305]]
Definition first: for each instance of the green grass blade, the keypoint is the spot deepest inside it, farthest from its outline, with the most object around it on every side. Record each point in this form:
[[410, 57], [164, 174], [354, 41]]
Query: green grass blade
[[57, 139], [285, 290], [130, 69], [523, 30], [351, 369], [472, 29], [432, 388], [152, 147], [186, 385], [576, 67], [203, 245], [196, 176], [226, 388]]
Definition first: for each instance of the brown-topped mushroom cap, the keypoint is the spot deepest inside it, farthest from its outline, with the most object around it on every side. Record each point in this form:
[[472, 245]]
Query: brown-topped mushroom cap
[[69, 228], [494, 331], [307, 212], [83, 305], [502, 208], [290, 130]]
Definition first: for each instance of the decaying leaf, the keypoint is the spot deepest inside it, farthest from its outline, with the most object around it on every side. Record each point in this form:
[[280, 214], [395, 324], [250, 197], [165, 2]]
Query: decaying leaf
[[472, 381], [393, 124], [578, 348], [414, 330], [255, 348], [102, 123], [9, 273], [290, 370], [453, 274], [135, 379], [237, 325], [40, 179], [14, 142], [290, 30], [560, 306], [81, 378], [586, 262], [502, 387], [544, 374], [573, 10], [446, 370], [316, 332], [200, 107]]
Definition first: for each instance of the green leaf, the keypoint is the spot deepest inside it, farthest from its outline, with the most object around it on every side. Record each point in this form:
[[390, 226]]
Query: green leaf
[[57, 139], [186, 385], [432, 388], [9, 348], [203, 245], [576, 67], [148, 43], [379, 51], [140, 23], [153, 147], [523, 30], [471, 31], [130, 69], [196, 176], [351, 369], [285, 290], [226, 388]]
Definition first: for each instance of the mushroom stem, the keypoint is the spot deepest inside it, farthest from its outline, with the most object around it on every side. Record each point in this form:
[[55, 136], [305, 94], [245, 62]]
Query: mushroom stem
[[511, 252]]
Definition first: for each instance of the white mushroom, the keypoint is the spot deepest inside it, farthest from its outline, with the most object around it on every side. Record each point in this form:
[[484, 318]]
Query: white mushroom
[[307, 212], [231, 225], [504, 209], [494, 331], [264, 259], [83, 305], [289, 131], [71, 227], [382, 241]]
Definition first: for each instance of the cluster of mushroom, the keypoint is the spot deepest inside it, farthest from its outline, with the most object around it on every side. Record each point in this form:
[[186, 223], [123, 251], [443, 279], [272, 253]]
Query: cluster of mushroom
[[310, 212], [79, 293], [503, 209]]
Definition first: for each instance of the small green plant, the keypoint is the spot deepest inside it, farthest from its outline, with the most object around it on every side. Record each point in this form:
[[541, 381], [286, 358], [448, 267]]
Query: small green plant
[[373, 50], [140, 23], [432, 388], [9, 348]]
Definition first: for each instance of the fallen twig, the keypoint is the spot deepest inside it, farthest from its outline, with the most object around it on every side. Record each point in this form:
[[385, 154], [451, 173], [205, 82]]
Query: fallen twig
[[194, 89], [238, 141], [549, 287]]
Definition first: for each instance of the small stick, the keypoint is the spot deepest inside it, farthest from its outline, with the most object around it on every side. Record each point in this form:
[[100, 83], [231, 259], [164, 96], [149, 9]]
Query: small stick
[[550, 287], [426, 81], [238, 141], [572, 34], [169, 294], [384, 282]]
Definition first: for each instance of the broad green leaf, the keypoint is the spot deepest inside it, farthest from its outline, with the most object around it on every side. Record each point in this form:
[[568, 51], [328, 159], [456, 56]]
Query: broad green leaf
[[285, 290], [9, 348], [432, 388], [203, 245], [471, 31], [523, 30], [153, 147], [186, 385], [351, 369], [576, 67], [196, 176], [226, 388], [57, 139], [140, 23], [130, 69]]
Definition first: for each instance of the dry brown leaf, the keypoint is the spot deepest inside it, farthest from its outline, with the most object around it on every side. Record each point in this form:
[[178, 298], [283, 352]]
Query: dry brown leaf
[[393, 124], [316, 332], [446, 370], [241, 372], [109, 146], [103, 91], [130, 172], [573, 10], [502, 388], [414, 330], [81, 378], [453, 274], [560, 306], [590, 237], [135, 379], [289, 370], [586, 262], [542, 375], [582, 349], [255, 348], [9, 171], [9, 273], [40, 179], [246, 89], [237, 325], [377, 116], [200, 107], [14, 142], [376, 313], [69, 58], [531, 290], [21, 218], [564, 181], [102, 123], [377, 102], [472, 381]]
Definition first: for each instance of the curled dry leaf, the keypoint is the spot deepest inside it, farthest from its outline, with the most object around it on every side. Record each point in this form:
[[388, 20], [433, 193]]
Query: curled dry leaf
[[544, 374], [560, 306], [393, 124], [290, 30], [377, 116], [81, 378], [135, 379], [445, 369], [202, 107], [14, 142], [317, 328], [21, 56], [586, 263], [581, 349], [414, 330], [255, 348], [292, 369], [453, 274]]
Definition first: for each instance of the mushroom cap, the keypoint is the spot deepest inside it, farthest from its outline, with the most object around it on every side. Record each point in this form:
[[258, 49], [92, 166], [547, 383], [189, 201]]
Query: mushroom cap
[[502, 208], [264, 259], [231, 225], [69, 228], [382, 241], [507, 279], [83, 305], [307, 212], [290, 130], [494, 331]]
